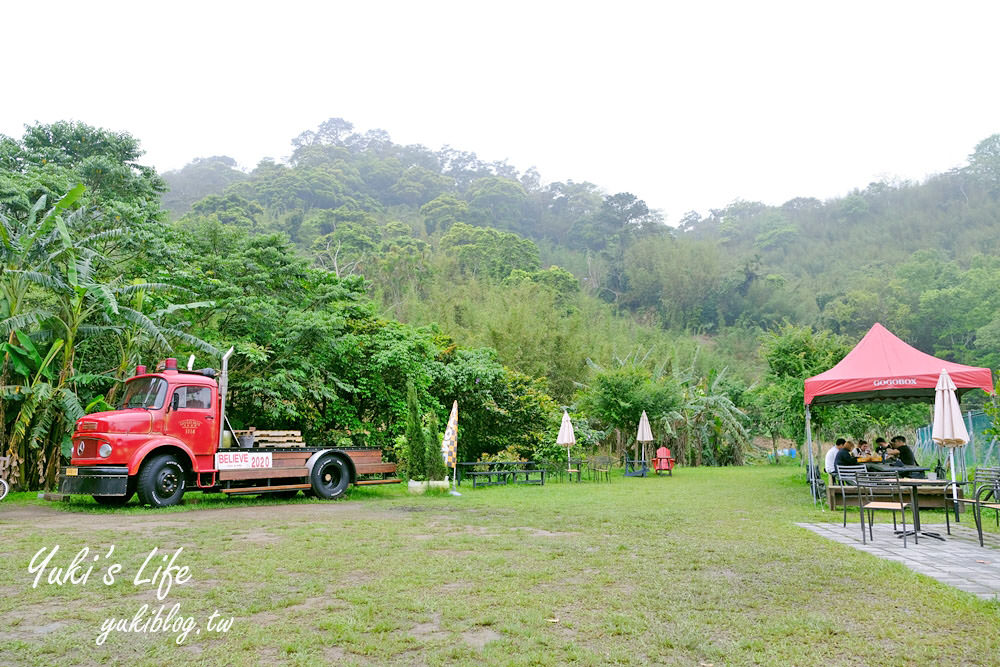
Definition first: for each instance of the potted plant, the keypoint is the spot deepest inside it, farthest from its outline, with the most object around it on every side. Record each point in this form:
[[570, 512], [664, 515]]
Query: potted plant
[[415, 444]]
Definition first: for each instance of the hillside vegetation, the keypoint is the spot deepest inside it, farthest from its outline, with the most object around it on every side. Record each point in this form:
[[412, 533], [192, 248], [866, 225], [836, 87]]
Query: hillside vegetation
[[361, 264]]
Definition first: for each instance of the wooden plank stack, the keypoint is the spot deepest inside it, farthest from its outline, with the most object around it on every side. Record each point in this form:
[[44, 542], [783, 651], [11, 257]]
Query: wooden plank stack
[[273, 438]]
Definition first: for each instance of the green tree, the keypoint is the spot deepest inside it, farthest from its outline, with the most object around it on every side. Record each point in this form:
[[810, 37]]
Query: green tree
[[488, 252], [416, 442], [443, 212], [52, 158], [497, 202], [434, 460]]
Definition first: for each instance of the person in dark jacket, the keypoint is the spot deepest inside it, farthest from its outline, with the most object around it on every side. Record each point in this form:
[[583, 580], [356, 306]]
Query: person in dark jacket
[[844, 457], [905, 456]]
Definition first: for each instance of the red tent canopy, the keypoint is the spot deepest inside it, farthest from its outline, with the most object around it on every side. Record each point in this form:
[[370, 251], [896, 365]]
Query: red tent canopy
[[882, 366]]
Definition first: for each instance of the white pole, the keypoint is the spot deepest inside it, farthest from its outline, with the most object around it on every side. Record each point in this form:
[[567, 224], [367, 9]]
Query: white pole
[[954, 488], [809, 444]]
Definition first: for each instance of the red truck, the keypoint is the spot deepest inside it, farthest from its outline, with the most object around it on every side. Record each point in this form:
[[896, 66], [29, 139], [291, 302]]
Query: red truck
[[168, 437]]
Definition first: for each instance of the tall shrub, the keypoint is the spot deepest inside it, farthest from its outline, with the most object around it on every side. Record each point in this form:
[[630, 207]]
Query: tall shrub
[[433, 459], [415, 441]]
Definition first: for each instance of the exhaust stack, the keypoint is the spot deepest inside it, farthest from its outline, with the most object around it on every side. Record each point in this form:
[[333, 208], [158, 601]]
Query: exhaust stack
[[223, 386]]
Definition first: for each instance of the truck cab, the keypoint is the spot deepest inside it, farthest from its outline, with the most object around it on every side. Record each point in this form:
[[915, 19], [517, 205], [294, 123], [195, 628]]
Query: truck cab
[[170, 413]]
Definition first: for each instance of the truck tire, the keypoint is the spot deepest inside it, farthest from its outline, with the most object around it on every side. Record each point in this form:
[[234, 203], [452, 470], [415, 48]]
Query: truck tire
[[161, 481], [330, 477]]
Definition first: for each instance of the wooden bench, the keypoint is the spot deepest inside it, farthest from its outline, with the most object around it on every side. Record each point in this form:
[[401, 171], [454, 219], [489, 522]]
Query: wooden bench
[[369, 462], [929, 497]]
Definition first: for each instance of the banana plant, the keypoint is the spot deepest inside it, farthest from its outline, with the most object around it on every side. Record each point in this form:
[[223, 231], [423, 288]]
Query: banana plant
[[48, 410], [140, 333]]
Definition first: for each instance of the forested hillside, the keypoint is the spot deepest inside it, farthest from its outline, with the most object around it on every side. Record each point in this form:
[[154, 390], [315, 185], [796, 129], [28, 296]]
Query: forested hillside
[[361, 264], [919, 257]]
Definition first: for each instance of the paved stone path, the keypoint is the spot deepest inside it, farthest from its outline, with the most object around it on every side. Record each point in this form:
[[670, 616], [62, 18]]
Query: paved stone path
[[958, 561]]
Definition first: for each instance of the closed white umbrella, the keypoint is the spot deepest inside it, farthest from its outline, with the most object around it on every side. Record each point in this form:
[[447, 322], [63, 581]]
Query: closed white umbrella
[[566, 436], [949, 427], [645, 434]]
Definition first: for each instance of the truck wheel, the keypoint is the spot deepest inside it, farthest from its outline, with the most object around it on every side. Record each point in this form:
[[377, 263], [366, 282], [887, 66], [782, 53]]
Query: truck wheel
[[161, 481], [330, 477]]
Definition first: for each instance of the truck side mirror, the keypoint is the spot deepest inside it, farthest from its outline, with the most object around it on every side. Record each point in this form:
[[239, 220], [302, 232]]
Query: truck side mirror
[[175, 401]]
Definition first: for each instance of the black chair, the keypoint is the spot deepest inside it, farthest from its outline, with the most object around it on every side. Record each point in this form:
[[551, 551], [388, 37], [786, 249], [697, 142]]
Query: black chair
[[575, 466], [601, 465], [816, 482], [985, 494], [847, 476], [881, 491]]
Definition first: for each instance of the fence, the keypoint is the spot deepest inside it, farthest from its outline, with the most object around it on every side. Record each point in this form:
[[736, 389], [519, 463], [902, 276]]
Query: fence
[[982, 450]]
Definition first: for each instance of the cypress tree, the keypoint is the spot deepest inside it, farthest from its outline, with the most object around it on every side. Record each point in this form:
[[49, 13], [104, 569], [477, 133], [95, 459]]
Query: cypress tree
[[415, 445], [434, 459]]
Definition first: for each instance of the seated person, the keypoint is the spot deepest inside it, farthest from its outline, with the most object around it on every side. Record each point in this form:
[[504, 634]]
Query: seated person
[[905, 455], [864, 449], [881, 448], [829, 465], [844, 457]]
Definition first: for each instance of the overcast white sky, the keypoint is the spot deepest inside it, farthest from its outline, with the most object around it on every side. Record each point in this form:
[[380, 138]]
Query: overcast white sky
[[688, 107]]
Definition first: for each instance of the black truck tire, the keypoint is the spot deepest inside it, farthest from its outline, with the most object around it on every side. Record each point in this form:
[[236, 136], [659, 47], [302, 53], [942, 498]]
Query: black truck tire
[[330, 477], [161, 481]]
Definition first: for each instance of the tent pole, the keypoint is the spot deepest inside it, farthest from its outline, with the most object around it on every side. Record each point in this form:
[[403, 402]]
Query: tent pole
[[954, 487], [809, 444], [972, 444]]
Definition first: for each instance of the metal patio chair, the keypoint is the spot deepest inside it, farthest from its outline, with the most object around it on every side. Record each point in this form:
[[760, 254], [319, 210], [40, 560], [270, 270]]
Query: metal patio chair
[[847, 476], [985, 494], [881, 491]]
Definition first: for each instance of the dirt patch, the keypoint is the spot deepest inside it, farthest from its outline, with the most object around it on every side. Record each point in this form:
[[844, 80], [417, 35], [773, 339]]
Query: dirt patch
[[430, 630], [32, 616], [333, 654], [315, 603], [28, 627], [480, 637], [62, 517], [192, 649], [540, 532], [268, 655], [357, 577], [257, 536]]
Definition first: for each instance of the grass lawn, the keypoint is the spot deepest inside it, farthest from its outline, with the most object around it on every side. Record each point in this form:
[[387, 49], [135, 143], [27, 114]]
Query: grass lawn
[[705, 567]]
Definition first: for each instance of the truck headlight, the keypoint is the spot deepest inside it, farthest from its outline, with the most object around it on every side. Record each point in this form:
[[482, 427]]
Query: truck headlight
[[104, 451]]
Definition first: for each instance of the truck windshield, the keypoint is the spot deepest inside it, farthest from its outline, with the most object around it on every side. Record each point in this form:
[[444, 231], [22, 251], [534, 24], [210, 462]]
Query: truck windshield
[[145, 393]]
